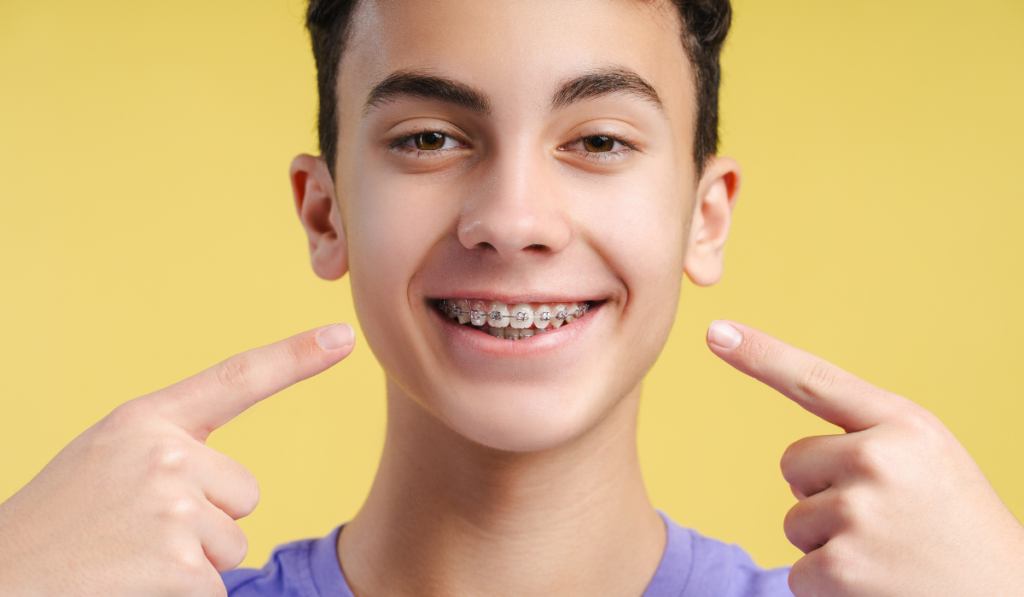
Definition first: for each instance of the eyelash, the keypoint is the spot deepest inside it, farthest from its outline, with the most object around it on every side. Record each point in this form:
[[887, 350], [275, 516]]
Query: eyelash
[[402, 144], [627, 148]]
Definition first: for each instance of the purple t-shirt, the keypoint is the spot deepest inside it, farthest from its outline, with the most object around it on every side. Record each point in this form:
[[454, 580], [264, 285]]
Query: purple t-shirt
[[692, 566]]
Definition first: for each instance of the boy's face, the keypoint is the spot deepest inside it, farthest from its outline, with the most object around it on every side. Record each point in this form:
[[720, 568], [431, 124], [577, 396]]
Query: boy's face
[[531, 152]]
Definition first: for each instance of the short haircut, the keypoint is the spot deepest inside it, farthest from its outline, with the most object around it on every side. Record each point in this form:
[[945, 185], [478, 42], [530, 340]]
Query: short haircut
[[705, 25]]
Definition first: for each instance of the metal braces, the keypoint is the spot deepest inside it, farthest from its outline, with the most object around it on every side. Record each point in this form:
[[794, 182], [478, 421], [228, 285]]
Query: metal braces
[[451, 309]]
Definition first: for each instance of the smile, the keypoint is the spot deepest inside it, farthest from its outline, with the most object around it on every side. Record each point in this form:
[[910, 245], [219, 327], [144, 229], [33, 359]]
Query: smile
[[524, 320]]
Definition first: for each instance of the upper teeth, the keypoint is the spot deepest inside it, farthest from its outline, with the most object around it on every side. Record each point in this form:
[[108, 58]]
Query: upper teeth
[[496, 314]]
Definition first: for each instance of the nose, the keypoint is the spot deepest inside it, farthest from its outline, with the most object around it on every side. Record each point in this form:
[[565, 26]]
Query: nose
[[516, 210]]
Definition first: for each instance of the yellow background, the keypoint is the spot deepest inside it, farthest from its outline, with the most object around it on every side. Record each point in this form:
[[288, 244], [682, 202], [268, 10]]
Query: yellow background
[[147, 232]]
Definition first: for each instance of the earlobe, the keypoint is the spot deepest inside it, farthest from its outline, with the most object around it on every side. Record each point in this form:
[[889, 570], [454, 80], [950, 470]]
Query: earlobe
[[709, 228], [317, 207]]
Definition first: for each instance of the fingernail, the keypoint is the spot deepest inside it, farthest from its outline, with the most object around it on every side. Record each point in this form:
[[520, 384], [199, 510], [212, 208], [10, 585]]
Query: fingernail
[[337, 336], [724, 335]]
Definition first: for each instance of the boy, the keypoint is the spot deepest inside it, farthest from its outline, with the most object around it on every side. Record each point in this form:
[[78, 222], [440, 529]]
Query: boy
[[490, 174]]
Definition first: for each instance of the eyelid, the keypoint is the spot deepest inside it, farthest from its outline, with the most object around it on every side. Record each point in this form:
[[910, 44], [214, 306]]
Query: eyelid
[[401, 132], [627, 150], [405, 142], [614, 137]]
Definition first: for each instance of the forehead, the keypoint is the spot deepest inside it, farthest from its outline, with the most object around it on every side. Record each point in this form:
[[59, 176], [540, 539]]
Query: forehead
[[518, 51]]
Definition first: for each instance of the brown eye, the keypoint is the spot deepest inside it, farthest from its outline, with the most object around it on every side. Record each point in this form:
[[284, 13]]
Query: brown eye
[[429, 141], [598, 143]]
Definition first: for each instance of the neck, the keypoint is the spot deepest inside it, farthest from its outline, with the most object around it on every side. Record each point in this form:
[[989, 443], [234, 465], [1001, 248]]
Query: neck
[[447, 516]]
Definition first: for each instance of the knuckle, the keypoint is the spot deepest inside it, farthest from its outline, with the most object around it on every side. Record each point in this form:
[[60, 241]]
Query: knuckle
[[867, 457], [791, 458], [923, 423], [236, 373], [791, 522], [180, 511], [240, 547], [250, 493], [844, 509], [125, 416], [245, 494], [786, 462], [802, 577], [799, 528], [815, 574], [218, 589], [169, 455], [187, 568], [840, 570], [816, 378], [232, 547]]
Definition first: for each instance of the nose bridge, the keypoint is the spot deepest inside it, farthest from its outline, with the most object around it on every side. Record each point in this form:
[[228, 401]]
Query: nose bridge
[[516, 209]]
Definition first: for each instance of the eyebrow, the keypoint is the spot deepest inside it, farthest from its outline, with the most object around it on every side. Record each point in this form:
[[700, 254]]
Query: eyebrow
[[427, 86], [605, 82]]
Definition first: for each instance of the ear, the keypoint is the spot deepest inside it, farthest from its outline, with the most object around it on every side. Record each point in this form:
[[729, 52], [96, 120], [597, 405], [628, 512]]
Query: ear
[[716, 196], [317, 206]]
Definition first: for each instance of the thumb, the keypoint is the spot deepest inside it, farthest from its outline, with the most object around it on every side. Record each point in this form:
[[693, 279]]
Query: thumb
[[818, 386]]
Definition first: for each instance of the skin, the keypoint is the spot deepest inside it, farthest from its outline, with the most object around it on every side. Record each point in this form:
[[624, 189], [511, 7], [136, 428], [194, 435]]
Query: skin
[[138, 505], [502, 461], [895, 506], [489, 469]]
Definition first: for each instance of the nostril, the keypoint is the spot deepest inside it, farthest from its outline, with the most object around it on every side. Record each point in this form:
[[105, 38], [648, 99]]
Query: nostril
[[536, 248]]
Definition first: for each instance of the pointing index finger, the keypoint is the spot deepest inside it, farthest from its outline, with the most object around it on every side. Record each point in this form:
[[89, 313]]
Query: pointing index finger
[[211, 398], [818, 386]]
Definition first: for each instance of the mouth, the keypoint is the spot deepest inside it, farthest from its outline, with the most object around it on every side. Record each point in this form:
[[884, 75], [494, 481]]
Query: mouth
[[521, 321]]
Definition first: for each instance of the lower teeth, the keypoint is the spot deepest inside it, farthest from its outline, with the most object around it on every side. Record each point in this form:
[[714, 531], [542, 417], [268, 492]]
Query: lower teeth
[[512, 333]]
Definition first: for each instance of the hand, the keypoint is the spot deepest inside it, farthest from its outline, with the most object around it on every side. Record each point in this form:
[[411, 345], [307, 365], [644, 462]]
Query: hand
[[895, 506], [137, 504]]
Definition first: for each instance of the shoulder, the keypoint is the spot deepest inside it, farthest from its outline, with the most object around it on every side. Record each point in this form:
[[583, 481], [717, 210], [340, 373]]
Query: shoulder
[[304, 568], [732, 572], [698, 566], [286, 574]]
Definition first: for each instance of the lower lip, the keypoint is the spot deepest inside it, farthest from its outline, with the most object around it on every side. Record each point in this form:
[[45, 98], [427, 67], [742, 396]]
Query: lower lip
[[543, 343]]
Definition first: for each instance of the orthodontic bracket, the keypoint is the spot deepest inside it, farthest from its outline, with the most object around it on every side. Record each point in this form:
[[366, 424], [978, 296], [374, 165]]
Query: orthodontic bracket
[[452, 310]]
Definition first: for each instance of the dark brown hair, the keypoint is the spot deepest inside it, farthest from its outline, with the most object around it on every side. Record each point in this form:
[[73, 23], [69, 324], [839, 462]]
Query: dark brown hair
[[705, 25]]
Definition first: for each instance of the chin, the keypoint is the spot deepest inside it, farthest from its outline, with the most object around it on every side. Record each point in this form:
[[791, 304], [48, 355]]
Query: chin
[[523, 418], [530, 394]]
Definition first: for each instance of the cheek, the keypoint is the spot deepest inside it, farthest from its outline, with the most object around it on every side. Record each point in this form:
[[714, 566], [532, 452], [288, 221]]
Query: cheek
[[392, 226], [638, 224], [640, 230]]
